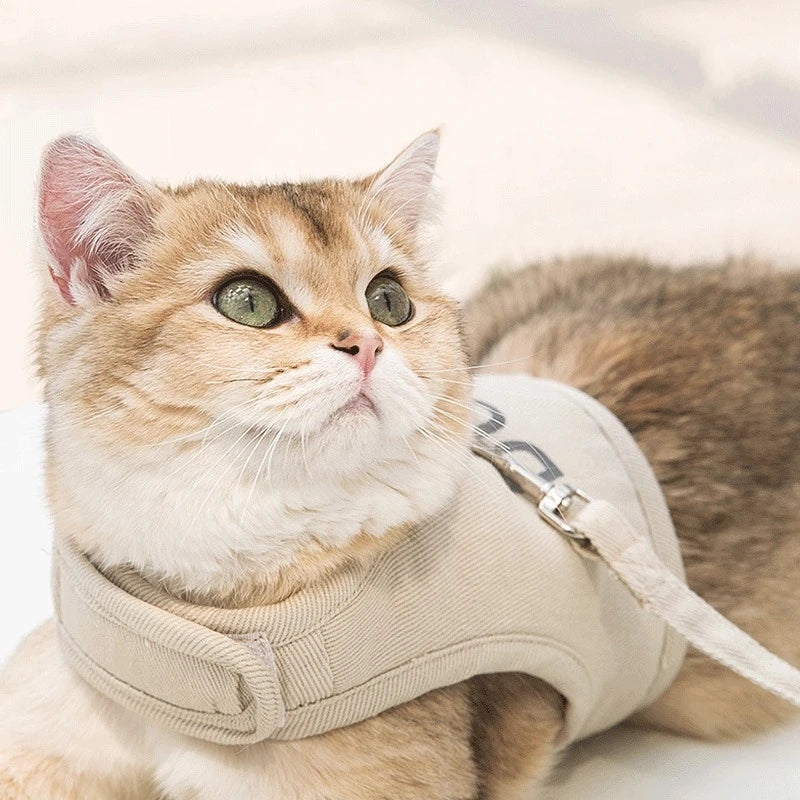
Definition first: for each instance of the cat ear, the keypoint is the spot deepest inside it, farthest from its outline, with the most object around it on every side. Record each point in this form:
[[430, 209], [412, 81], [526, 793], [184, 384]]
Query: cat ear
[[404, 187], [92, 214]]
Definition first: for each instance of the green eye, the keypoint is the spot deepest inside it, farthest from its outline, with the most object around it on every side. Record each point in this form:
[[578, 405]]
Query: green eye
[[248, 301], [388, 302]]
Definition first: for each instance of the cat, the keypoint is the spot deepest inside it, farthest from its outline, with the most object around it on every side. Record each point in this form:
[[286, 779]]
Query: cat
[[250, 387]]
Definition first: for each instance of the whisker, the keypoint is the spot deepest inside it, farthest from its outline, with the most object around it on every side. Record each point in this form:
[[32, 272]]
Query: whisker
[[272, 451], [216, 484], [303, 448], [236, 380], [219, 365], [251, 368], [245, 404], [479, 366], [475, 429], [75, 420], [459, 455], [413, 452], [221, 458], [182, 464], [258, 440], [204, 432], [266, 455], [470, 384], [447, 399], [255, 480]]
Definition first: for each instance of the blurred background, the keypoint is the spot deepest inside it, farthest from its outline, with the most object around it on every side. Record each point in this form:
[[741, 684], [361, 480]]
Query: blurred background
[[669, 128]]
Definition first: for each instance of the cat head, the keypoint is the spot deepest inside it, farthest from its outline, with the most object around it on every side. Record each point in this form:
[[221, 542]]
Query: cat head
[[233, 372]]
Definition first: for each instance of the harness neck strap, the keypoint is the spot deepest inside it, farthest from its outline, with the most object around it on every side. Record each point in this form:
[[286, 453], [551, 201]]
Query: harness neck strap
[[106, 632]]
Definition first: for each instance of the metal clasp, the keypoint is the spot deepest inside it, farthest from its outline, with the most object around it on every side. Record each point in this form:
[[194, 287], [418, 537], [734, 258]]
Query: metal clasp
[[552, 498], [552, 506]]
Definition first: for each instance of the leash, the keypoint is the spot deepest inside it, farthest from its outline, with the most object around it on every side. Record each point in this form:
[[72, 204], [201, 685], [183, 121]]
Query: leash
[[598, 531]]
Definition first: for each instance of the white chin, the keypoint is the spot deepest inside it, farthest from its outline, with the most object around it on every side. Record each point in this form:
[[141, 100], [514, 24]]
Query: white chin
[[352, 428]]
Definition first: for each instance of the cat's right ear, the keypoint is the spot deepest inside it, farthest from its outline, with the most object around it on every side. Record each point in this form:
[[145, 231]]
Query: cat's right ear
[[93, 214]]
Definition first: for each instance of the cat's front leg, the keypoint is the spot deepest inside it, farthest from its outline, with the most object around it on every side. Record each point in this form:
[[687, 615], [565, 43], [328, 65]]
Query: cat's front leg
[[417, 751], [517, 721], [59, 739]]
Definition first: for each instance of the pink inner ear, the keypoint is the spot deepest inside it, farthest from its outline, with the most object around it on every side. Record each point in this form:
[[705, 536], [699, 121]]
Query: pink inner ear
[[60, 215], [63, 286], [91, 211]]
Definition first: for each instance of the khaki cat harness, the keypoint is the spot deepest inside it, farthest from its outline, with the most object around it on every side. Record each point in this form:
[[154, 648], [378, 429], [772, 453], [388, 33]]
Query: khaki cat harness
[[484, 586]]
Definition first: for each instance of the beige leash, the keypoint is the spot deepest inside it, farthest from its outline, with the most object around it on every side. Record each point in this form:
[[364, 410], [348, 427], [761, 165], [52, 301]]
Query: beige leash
[[598, 530]]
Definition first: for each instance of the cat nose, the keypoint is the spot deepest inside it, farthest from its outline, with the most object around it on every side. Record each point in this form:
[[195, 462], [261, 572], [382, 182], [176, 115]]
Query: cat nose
[[364, 346]]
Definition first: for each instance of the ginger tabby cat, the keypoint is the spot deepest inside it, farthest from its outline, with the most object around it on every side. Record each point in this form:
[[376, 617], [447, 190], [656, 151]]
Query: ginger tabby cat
[[249, 386]]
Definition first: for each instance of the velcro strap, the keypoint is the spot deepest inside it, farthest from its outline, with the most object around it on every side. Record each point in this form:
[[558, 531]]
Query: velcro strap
[[185, 676]]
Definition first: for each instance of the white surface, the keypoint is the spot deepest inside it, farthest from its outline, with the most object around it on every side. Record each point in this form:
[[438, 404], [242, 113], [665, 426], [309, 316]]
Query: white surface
[[663, 127], [621, 764]]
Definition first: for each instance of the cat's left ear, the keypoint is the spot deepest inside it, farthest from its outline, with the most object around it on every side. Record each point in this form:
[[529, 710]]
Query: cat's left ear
[[93, 216], [403, 189]]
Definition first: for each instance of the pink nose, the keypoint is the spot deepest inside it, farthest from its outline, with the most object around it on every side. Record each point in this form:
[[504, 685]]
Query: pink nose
[[364, 346]]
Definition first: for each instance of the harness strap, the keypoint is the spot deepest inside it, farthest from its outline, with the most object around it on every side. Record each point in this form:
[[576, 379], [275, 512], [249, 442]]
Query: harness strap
[[631, 558]]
